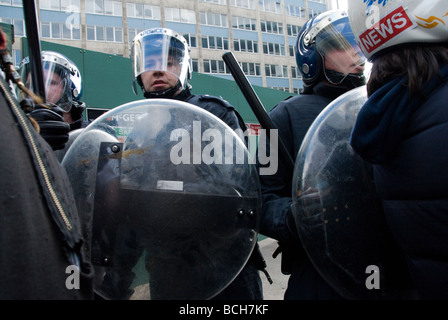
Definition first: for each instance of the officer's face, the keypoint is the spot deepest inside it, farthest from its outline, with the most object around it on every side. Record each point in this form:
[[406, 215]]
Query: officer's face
[[161, 80], [343, 61], [54, 88]]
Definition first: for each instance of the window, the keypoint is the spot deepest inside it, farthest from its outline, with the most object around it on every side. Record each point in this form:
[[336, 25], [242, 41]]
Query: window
[[285, 89], [191, 40], [19, 27], [58, 30], [104, 7], [102, 33], [215, 1], [244, 23], [212, 42], [17, 57], [213, 19], [248, 4], [245, 45], [291, 51], [195, 65], [180, 15], [118, 33], [270, 6], [45, 29], [273, 70], [251, 69], [295, 11], [274, 49], [50, 5], [132, 32], [99, 33], [215, 66], [293, 30], [295, 73], [91, 33], [272, 27], [151, 12], [110, 36]]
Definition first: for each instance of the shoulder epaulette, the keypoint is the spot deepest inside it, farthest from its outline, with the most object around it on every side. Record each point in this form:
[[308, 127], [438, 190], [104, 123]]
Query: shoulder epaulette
[[207, 97]]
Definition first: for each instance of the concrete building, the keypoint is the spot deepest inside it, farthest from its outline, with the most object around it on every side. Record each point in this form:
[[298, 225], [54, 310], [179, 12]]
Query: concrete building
[[260, 33]]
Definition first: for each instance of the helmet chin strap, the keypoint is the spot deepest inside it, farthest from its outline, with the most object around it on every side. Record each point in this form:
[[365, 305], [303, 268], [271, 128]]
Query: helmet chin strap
[[352, 80], [168, 93]]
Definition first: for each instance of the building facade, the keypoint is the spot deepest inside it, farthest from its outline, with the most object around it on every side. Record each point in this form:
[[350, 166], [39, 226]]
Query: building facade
[[260, 33]]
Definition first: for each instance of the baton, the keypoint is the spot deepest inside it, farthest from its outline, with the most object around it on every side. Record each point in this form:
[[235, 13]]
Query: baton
[[32, 34], [255, 104]]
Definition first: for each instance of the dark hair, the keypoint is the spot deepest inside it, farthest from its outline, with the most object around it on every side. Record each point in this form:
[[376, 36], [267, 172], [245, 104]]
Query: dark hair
[[419, 62]]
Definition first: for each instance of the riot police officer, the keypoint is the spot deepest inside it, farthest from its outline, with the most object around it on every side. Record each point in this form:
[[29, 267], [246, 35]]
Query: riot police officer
[[162, 68], [63, 92], [331, 64]]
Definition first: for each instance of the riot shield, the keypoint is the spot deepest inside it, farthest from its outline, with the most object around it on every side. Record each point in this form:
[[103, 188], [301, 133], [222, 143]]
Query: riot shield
[[171, 199], [338, 214]]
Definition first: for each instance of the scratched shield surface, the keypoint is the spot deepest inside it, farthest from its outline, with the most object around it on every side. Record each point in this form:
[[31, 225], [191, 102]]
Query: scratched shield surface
[[338, 214], [168, 199]]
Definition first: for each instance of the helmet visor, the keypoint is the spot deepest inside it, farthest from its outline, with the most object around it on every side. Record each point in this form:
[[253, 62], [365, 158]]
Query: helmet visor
[[160, 51], [340, 52], [56, 82], [56, 85]]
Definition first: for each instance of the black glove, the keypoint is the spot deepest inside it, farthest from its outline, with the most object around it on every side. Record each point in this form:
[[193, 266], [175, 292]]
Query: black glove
[[53, 128]]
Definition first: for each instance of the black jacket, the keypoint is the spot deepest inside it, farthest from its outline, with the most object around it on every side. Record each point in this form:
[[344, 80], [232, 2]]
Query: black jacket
[[216, 106], [37, 241], [415, 197]]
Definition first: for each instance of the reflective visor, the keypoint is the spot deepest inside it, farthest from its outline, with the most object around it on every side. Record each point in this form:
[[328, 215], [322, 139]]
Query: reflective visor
[[56, 80], [160, 51], [338, 47]]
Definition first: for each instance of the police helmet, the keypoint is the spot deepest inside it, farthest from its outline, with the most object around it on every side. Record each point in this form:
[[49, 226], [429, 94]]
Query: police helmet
[[318, 39], [58, 71], [155, 50]]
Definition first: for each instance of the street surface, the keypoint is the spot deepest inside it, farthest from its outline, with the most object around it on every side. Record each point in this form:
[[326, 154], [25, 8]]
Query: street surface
[[276, 290]]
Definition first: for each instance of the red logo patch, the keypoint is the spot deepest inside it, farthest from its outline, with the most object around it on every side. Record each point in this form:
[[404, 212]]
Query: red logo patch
[[384, 30]]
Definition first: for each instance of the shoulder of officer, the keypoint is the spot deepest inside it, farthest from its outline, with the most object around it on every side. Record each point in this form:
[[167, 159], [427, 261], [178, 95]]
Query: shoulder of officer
[[210, 98]]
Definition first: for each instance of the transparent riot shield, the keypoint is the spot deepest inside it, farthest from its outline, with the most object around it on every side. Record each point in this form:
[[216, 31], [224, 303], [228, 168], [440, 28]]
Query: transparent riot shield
[[169, 200], [338, 214]]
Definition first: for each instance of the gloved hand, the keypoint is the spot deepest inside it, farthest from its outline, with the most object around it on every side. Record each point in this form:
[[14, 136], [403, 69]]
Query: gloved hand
[[53, 128]]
